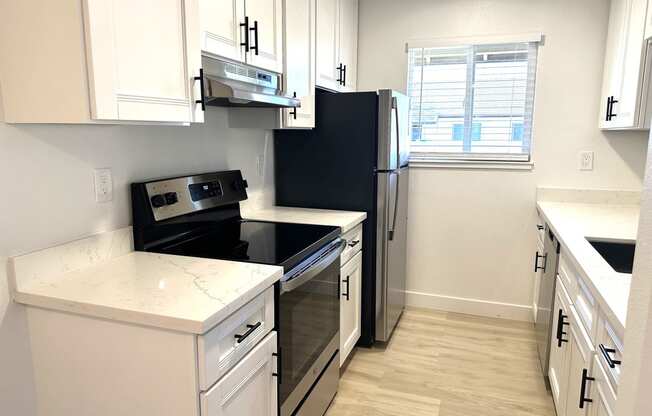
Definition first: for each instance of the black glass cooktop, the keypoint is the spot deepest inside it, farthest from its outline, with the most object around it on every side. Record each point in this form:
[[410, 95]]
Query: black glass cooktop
[[281, 244]]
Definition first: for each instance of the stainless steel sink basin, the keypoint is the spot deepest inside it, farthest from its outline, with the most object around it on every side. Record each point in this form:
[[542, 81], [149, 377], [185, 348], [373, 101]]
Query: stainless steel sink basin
[[619, 255]]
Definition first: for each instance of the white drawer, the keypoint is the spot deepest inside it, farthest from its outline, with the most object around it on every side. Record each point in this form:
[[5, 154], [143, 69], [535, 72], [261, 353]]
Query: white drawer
[[609, 346], [587, 308], [223, 346], [541, 227], [567, 274], [603, 396], [353, 244]]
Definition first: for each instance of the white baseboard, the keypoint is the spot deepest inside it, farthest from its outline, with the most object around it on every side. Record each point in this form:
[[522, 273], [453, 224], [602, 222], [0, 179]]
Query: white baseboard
[[469, 306]]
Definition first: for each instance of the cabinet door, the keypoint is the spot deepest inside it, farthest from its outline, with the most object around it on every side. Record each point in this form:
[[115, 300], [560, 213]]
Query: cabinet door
[[350, 305], [581, 356], [328, 44], [604, 397], [221, 33], [630, 101], [137, 66], [300, 61], [249, 389], [559, 351], [348, 43], [614, 59], [265, 33], [648, 22]]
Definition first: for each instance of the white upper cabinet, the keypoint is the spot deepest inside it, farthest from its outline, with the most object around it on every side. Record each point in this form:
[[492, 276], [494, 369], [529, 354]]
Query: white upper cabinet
[[106, 62], [627, 68], [349, 43], [300, 61], [648, 22], [222, 28], [265, 33], [337, 44], [327, 44], [249, 31]]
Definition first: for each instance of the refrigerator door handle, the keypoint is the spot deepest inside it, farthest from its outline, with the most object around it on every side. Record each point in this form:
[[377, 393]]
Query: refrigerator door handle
[[390, 232], [398, 133]]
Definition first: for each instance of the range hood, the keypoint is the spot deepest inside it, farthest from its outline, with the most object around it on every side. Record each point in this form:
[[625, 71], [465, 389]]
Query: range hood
[[229, 84]]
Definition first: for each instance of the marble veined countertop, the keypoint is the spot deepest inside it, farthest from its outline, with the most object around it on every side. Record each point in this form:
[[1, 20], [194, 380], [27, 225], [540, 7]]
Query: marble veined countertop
[[616, 219], [346, 220], [101, 277]]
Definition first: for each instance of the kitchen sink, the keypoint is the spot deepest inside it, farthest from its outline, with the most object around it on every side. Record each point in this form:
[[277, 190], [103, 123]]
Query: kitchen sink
[[619, 255]]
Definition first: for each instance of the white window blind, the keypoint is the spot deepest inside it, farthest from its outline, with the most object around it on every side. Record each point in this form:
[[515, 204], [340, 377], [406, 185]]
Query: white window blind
[[472, 102]]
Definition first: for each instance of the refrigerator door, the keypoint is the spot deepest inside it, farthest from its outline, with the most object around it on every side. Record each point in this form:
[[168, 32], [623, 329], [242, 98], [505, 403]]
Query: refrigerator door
[[393, 130], [391, 252]]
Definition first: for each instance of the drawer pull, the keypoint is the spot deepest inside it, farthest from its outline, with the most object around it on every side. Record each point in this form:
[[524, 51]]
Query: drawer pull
[[279, 367], [585, 378], [347, 282], [561, 322], [354, 243], [536, 262], [606, 353], [251, 329], [540, 227]]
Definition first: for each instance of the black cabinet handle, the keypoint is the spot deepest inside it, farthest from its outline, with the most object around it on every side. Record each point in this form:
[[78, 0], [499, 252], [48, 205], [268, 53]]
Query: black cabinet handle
[[279, 366], [561, 322], [610, 107], [585, 378], [347, 281], [536, 262], [344, 76], [245, 25], [340, 68], [255, 30], [251, 329], [606, 352], [354, 243], [293, 112], [540, 227], [202, 100]]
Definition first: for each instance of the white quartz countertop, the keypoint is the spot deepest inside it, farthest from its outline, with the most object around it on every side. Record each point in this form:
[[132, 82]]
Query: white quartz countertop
[[179, 293], [346, 220], [572, 223]]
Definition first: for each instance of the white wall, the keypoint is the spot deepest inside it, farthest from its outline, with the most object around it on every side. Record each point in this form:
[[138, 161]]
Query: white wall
[[46, 198], [472, 231]]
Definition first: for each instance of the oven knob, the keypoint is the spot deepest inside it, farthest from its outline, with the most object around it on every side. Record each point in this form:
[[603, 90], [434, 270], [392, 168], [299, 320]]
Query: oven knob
[[157, 201], [171, 198]]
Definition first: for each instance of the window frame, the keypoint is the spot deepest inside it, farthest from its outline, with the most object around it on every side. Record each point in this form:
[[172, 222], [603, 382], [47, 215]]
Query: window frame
[[470, 159]]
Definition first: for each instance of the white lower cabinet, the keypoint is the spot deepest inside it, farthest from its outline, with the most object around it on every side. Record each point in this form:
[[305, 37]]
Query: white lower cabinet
[[602, 394], [350, 305], [579, 379], [250, 388], [560, 349]]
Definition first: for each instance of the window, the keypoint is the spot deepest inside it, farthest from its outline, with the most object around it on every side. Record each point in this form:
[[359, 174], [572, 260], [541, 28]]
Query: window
[[472, 101]]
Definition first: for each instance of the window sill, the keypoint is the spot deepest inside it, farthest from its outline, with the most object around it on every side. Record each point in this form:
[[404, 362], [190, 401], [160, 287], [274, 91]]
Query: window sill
[[470, 164]]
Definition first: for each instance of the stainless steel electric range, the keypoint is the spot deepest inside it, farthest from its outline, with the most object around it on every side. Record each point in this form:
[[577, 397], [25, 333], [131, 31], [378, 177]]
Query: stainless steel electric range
[[199, 216]]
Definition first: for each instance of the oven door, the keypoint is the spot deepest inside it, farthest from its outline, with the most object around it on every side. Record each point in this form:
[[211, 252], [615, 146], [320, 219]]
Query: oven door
[[309, 309]]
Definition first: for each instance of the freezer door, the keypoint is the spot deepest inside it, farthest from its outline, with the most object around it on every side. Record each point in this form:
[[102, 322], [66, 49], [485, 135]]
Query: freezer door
[[393, 130], [391, 252]]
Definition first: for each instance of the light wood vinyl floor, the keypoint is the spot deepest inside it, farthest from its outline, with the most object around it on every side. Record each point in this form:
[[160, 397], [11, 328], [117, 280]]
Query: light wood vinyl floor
[[447, 364]]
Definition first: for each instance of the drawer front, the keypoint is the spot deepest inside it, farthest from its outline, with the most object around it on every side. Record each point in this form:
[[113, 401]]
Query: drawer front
[[567, 274], [603, 396], [541, 228], [587, 308], [353, 244], [250, 388], [223, 346], [609, 348]]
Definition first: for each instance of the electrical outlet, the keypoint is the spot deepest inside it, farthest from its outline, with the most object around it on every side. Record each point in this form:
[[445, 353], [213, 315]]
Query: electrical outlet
[[103, 185], [586, 160]]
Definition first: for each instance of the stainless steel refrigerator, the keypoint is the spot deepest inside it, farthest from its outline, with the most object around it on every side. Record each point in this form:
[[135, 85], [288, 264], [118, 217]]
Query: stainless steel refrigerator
[[356, 158]]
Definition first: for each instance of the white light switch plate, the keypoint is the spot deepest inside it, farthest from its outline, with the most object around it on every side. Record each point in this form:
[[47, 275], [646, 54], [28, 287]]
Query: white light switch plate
[[586, 160], [103, 185]]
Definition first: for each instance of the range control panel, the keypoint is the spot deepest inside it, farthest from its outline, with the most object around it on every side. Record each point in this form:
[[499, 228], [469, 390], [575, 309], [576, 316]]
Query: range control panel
[[170, 198]]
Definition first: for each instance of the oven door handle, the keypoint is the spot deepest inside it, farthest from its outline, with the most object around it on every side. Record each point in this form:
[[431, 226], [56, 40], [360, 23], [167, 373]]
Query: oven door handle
[[315, 269]]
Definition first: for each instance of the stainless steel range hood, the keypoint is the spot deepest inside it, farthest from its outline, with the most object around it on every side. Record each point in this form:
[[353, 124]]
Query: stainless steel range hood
[[229, 84]]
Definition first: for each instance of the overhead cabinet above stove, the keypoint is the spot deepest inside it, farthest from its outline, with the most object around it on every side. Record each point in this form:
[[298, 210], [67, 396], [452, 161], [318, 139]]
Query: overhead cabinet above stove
[[100, 61], [249, 31]]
